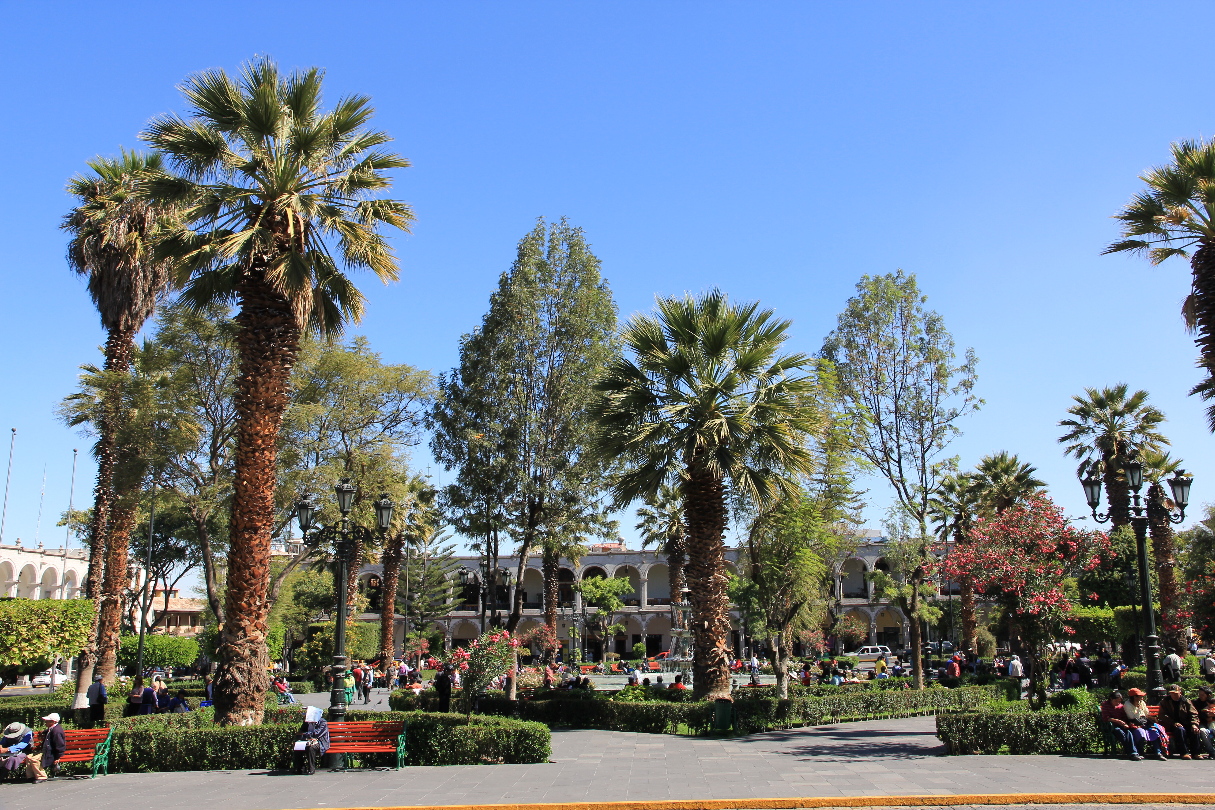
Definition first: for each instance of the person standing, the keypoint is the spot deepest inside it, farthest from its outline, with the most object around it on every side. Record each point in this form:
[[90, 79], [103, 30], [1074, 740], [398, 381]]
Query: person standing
[[1208, 667], [443, 687], [97, 699], [367, 681], [1171, 666]]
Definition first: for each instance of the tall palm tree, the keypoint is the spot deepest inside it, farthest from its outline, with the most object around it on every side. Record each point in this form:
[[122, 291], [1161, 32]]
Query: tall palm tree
[[660, 522], [1001, 480], [706, 398], [1173, 216], [279, 199], [1107, 427], [416, 519], [953, 509], [1156, 467], [113, 232]]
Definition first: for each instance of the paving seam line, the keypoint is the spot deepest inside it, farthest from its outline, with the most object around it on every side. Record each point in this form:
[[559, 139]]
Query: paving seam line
[[993, 799]]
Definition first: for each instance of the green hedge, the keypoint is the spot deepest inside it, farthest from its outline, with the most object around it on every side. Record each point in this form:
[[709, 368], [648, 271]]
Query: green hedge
[[1138, 680], [191, 742], [996, 731], [769, 714]]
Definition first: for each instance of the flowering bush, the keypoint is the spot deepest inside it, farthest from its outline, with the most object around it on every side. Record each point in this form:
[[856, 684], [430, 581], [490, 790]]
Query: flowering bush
[[542, 638], [480, 662]]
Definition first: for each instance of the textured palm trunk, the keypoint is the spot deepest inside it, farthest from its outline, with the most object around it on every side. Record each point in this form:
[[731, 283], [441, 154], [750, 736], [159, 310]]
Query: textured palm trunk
[[1164, 550], [269, 342], [677, 558], [1203, 267], [391, 560], [1117, 492], [117, 578], [354, 561], [118, 348], [705, 513]]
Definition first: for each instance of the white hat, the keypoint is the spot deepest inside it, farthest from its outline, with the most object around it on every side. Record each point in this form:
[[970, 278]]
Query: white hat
[[52, 716], [312, 714]]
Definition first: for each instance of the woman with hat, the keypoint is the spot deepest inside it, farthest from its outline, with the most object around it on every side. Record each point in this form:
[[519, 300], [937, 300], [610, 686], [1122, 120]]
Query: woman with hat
[[14, 748], [1149, 734]]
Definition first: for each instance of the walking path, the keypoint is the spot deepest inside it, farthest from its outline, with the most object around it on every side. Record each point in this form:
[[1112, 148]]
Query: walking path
[[889, 758]]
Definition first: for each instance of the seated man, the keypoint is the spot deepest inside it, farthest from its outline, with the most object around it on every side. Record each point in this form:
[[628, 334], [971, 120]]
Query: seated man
[[1111, 712], [311, 743], [678, 684], [1180, 720], [1205, 705], [14, 748]]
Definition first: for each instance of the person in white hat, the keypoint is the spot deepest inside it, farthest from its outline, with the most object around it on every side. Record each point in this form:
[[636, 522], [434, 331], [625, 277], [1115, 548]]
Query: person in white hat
[[53, 746]]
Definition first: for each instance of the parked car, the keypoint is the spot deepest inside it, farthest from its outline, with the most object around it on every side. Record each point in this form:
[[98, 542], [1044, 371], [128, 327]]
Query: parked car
[[51, 678], [871, 653]]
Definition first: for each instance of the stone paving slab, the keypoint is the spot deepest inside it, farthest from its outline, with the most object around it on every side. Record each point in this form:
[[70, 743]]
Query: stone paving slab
[[876, 759]]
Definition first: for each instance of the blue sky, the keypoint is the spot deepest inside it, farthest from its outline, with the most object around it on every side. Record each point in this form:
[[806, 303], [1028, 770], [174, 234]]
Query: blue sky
[[776, 150]]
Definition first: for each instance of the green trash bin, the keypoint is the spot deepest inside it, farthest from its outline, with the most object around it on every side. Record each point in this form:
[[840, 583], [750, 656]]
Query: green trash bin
[[723, 714]]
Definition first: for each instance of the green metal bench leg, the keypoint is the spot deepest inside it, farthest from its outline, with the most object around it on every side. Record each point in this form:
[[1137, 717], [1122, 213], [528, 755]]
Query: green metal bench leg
[[401, 751]]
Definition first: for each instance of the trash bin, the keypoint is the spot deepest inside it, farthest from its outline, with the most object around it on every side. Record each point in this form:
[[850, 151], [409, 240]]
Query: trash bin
[[723, 714]]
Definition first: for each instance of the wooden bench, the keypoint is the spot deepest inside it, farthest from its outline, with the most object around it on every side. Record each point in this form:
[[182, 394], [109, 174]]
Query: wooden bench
[[82, 745], [368, 737], [587, 669]]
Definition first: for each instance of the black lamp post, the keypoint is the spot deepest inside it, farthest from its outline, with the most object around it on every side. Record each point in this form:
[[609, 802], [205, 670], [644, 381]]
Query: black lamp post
[[340, 534], [1180, 485]]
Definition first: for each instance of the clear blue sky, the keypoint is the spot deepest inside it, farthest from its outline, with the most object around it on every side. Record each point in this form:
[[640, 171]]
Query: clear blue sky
[[777, 150]]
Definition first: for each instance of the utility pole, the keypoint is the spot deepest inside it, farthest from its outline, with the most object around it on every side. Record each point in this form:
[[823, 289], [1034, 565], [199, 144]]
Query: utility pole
[[7, 479]]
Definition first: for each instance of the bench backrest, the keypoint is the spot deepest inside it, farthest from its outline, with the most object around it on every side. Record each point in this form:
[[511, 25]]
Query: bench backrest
[[366, 730], [77, 739]]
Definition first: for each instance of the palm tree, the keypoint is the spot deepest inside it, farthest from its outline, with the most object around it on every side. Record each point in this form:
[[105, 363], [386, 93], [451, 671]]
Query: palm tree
[[1173, 217], [706, 399], [1105, 430], [416, 520], [1001, 480], [279, 199], [112, 240], [953, 508], [661, 524], [1156, 467]]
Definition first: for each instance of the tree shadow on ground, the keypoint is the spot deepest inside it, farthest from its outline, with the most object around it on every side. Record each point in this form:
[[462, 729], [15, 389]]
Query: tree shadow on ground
[[841, 744]]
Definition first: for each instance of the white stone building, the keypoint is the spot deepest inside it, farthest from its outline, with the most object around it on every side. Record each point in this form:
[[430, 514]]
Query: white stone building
[[42, 573]]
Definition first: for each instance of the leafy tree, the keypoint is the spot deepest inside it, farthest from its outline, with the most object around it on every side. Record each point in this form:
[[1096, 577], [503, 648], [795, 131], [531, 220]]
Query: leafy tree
[[426, 589], [603, 594], [113, 233], [158, 651], [908, 582], [895, 362], [1105, 430], [513, 417], [36, 631], [1198, 569], [1172, 217], [416, 517], [1022, 557], [954, 507], [174, 551], [278, 197], [707, 400]]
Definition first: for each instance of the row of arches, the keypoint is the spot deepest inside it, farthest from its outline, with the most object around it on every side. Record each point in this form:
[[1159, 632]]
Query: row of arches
[[852, 581], [27, 584]]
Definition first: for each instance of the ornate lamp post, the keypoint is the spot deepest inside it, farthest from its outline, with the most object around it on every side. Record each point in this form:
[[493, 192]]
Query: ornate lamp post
[[1180, 485], [340, 534]]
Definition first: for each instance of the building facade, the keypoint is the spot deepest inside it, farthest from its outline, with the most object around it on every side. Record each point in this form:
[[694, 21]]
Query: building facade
[[42, 573]]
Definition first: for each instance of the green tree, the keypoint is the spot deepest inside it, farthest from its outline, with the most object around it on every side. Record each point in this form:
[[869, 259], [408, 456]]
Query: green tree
[[36, 631], [426, 590], [953, 509], [603, 594], [159, 651], [907, 581], [521, 393], [1172, 217], [1105, 430], [415, 518], [895, 361], [113, 234], [706, 399], [279, 197]]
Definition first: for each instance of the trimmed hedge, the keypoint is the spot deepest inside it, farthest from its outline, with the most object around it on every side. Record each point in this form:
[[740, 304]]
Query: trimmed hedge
[[769, 714], [191, 742], [999, 730]]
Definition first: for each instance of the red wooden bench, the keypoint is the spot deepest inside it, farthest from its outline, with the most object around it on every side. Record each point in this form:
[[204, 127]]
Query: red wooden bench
[[368, 737], [587, 669], [82, 745]]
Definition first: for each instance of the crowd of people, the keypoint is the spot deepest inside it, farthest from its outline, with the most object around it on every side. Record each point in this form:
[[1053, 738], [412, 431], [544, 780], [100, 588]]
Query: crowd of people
[[17, 750], [1180, 726]]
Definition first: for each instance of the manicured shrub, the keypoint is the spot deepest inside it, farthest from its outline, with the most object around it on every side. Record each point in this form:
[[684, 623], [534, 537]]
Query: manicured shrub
[[996, 730], [768, 714]]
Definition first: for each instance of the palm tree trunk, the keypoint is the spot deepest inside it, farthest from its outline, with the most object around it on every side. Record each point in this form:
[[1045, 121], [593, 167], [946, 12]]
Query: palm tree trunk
[[1117, 492], [117, 579], [1203, 267], [269, 342], [118, 348], [677, 557], [705, 513], [354, 561], [970, 619], [1165, 553], [388, 600]]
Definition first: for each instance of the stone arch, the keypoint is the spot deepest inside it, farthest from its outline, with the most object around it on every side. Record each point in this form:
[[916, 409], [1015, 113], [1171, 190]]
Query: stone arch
[[27, 583], [658, 634], [593, 571], [464, 632], [8, 578], [853, 584], [565, 586], [888, 627], [49, 584], [371, 585], [658, 587], [866, 623], [630, 572], [71, 588], [533, 588]]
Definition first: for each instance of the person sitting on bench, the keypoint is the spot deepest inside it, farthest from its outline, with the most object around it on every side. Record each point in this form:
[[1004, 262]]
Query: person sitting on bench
[[311, 743], [14, 748]]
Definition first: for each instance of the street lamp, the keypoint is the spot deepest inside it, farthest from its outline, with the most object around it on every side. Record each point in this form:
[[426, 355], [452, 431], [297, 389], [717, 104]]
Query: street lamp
[[340, 535], [1180, 486]]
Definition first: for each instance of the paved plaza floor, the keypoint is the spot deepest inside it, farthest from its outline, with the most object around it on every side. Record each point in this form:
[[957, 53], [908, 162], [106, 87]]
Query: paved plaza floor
[[871, 759]]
